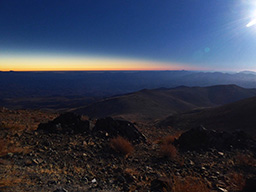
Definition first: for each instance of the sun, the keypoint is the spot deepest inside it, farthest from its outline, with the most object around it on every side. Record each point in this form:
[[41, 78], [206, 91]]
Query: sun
[[252, 18], [249, 12], [251, 23]]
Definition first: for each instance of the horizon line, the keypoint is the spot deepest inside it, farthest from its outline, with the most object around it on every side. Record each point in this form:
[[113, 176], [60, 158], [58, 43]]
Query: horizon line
[[128, 70]]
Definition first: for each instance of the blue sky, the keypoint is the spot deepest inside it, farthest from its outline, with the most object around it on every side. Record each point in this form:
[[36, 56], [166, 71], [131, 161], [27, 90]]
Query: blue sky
[[195, 34]]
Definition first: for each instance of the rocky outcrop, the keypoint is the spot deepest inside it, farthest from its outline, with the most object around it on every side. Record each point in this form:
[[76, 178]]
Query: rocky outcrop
[[114, 128], [160, 185], [201, 139], [65, 123], [72, 123], [250, 185]]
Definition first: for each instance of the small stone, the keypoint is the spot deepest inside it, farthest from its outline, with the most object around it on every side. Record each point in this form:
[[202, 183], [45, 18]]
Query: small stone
[[35, 161], [10, 154], [40, 160], [28, 162], [111, 181], [52, 182], [61, 190], [222, 189], [94, 180], [85, 179], [135, 160], [91, 143], [231, 162], [191, 162]]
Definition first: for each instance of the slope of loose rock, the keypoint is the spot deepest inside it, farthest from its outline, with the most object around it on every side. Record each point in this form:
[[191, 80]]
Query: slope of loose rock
[[85, 162]]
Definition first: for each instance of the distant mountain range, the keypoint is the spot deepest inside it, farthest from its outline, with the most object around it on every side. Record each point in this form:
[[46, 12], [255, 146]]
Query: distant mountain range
[[189, 98], [109, 83], [248, 72], [64, 90], [240, 115], [158, 103]]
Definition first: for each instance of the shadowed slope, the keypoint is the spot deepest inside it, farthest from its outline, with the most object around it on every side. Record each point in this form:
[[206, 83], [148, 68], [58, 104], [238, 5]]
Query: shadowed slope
[[157, 103], [240, 115]]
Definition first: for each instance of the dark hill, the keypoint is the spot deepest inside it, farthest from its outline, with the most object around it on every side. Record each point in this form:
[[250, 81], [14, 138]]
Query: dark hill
[[240, 115], [158, 103]]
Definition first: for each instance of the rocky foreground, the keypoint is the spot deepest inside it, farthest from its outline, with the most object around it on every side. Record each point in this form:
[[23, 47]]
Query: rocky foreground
[[73, 154]]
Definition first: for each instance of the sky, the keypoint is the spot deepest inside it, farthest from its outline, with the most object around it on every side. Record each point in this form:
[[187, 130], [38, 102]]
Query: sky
[[45, 35]]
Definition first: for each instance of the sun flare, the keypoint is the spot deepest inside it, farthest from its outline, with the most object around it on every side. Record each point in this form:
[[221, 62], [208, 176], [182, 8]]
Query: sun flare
[[251, 23], [252, 17]]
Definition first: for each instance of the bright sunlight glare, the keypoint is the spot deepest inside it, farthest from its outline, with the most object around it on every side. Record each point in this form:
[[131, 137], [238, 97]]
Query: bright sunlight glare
[[251, 23], [251, 12]]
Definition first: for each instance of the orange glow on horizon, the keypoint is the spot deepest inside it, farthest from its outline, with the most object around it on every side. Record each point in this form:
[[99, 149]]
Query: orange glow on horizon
[[35, 63]]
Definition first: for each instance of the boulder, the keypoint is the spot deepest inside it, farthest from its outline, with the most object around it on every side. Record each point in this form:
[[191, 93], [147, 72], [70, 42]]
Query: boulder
[[250, 185], [122, 128], [66, 123], [200, 138], [160, 185]]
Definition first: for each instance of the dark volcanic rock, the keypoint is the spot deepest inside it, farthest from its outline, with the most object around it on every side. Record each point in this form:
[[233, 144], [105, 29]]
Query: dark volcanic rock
[[160, 185], [250, 185], [118, 127], [200, 138], [66, 123]]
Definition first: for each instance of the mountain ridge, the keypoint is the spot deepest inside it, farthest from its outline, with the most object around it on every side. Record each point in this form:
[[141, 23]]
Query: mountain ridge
[[151, 104]]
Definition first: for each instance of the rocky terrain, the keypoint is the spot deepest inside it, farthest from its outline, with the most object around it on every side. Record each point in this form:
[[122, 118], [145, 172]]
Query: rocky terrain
[[37, 155]]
